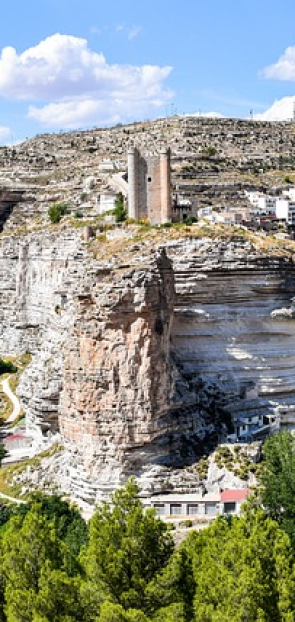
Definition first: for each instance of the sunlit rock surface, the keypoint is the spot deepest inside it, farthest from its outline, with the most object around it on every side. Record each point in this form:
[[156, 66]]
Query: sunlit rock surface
[[140, 365]]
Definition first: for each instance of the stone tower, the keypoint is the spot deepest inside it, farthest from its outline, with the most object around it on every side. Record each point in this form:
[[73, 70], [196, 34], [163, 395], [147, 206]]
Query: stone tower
[[149, 180]]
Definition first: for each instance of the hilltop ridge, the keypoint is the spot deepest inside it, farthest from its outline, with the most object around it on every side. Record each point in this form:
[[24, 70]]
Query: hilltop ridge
[[213, 161]]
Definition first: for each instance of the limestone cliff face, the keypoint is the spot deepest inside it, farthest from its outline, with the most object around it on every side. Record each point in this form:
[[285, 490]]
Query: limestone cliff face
[[234, 324], [38, 274], [141, 364], [117, 380]]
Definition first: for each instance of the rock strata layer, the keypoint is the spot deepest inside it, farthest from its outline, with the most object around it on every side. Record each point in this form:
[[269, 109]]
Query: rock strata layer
[[141, 365]]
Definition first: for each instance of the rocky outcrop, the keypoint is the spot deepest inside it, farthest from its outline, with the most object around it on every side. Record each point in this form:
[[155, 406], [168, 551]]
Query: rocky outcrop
[[117, 375], [141, 361]]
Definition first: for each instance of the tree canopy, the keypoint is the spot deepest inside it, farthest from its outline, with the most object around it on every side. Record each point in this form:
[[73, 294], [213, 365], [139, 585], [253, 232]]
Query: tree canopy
[[278, 480], [127, 547], [240, 569]]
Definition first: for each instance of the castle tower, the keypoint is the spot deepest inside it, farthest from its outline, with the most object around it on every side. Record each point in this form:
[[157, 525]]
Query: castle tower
[[133, 190], [165, 181], [149, 181]]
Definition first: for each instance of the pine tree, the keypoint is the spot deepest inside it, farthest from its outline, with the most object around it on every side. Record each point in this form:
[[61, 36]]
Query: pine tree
[[127, 547]]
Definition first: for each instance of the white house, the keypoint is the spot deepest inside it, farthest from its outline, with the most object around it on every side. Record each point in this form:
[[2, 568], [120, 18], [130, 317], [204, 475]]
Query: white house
[[285, 210], [207, 213], [107, 202], [262, 203], [197, 505]]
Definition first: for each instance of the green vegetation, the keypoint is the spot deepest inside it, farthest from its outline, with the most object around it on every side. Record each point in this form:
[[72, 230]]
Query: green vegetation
[[278, 480], [120, 210], [209, 152], [123, 567], [7, 367], [57, 211]]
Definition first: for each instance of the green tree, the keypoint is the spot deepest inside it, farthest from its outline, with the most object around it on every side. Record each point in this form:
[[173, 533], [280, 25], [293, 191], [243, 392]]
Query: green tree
[[120, 210], [127, 547], [111, 612], [174, 587], [68, 524], [243, 571], [28, 546], [278, 480], [58, 598]]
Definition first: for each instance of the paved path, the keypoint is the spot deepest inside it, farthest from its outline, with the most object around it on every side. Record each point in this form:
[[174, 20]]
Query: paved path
[[12, 397], [18, 501]]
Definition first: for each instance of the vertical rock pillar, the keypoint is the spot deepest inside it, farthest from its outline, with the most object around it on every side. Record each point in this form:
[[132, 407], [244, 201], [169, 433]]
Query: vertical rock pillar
[[133, 190], [165, 175]]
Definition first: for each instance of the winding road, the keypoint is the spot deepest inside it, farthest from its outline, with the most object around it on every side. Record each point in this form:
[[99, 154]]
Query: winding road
[[12, 397]]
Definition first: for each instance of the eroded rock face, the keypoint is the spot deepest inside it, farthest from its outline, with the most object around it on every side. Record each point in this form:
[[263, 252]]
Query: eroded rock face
[[117, 376], [234, 324], [38, 275], [140, 366]]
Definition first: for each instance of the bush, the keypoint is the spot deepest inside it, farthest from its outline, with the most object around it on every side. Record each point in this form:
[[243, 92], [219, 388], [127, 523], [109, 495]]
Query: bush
[[186, 523], [6, 367], [190, 220], [120, 210], [57, 211]]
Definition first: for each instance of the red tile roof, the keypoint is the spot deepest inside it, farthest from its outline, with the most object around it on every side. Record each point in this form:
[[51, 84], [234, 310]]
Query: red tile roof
[[13, 437], [234, 495]]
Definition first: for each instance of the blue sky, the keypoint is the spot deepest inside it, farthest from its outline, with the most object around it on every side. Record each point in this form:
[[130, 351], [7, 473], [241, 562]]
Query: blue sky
[[82, 63]]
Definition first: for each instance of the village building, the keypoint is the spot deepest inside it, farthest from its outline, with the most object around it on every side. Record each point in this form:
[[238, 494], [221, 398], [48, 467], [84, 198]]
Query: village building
[[285, 210], [197, 505], [106, 202]]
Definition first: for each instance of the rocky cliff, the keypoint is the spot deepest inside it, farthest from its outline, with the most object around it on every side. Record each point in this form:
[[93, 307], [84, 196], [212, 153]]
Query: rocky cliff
[[142, 353]]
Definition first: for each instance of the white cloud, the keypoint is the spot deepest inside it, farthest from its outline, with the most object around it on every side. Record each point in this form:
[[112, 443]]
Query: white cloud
[[95, 31], [280, 110], [130, 31], [133, 32], [81, 111], [284, 68], [63, 78]]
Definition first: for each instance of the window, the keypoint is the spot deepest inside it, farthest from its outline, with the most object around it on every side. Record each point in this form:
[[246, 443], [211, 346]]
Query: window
[[175, 509], [160, 508], [229, 507], [210, 508], [149, 179], [192, 509]]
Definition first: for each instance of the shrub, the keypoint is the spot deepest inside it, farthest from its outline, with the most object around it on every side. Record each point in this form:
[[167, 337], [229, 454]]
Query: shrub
[[6, 367], [190, 220], [120, 210], [57, 211], [186, 523]]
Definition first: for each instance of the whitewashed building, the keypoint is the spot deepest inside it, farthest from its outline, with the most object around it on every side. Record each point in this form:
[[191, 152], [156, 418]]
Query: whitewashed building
[[285, 210], [197, 505], [106, 202]]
